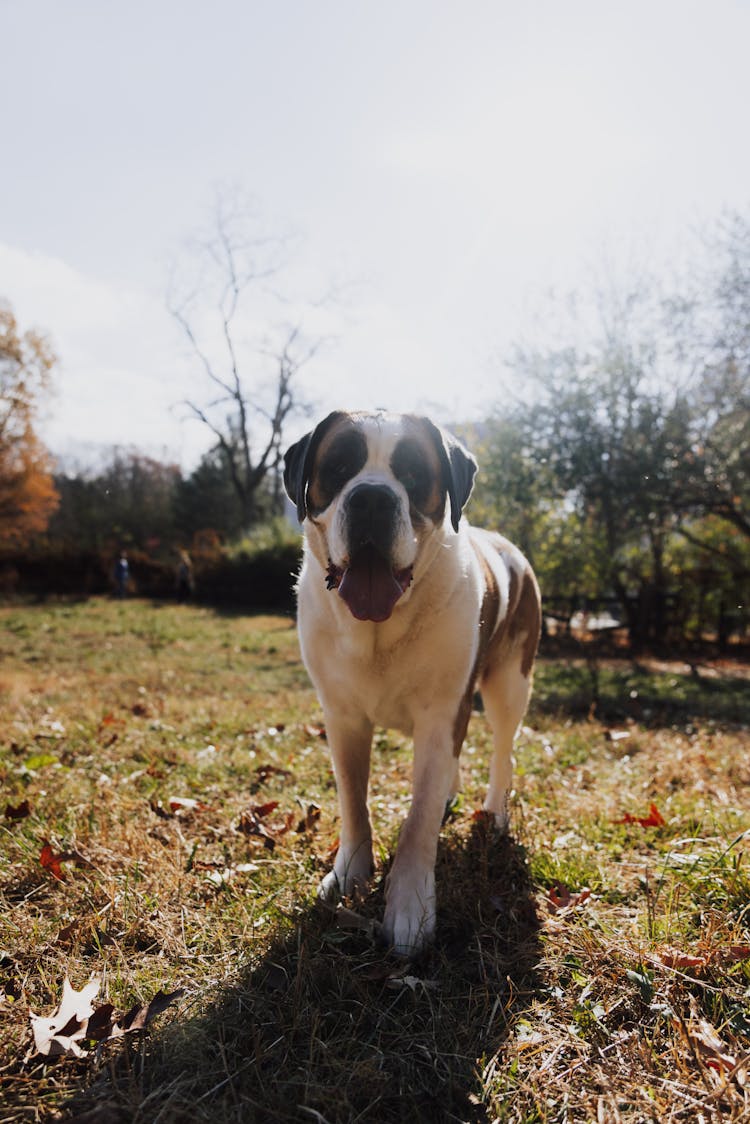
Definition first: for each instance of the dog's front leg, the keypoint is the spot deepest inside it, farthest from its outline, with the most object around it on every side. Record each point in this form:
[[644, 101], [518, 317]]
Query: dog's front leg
[[409, 921], [350, 742]]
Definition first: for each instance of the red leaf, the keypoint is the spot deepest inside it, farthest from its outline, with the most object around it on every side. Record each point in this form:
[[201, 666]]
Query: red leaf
[[51, 862], [653, 819], [262, 810]]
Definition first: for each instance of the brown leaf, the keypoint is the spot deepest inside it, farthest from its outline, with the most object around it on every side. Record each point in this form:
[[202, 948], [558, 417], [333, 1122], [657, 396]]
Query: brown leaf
[[99, 1026], [736, 952], [139, 1017], [19, 812], [559, 897], [77, 1022], [65, 936], [705, 1038], [309, 821], [249, 824], [260, 811], [675, 958], [264, 772]]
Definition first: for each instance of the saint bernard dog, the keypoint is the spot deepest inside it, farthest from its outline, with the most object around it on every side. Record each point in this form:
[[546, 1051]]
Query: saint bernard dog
[[404, 610]]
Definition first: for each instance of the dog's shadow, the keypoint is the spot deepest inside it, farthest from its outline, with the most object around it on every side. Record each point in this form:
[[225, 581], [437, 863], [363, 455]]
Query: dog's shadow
[[330, 1027]]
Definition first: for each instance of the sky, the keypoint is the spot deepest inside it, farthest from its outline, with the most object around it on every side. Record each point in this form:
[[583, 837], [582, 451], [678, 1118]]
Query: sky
[[436, 168]]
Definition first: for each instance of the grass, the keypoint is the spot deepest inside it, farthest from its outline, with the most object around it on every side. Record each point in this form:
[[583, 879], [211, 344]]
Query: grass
[[586, 968]]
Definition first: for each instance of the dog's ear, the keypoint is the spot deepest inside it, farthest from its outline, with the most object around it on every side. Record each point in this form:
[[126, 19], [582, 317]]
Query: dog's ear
[[298, 462], [459, 469]]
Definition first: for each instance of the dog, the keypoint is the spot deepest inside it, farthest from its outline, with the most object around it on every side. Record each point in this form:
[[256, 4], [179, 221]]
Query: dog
[[404, 609]]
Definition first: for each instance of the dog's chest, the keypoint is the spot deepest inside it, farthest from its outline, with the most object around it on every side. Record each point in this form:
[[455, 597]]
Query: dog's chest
[[390, 674]]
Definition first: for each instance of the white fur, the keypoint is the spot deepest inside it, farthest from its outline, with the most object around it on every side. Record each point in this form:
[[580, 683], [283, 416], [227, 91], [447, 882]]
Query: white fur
[[409, 672]]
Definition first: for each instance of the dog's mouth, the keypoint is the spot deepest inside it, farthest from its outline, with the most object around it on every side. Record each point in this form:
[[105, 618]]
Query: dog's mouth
[[369, 585]]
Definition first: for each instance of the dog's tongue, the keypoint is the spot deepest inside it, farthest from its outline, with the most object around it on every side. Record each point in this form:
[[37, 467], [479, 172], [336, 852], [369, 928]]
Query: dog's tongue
[[369, 587]]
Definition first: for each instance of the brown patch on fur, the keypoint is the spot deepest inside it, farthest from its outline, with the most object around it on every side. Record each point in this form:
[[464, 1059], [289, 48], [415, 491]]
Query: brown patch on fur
[[316, 500], [434, 506], [522, 618], [487, 623]]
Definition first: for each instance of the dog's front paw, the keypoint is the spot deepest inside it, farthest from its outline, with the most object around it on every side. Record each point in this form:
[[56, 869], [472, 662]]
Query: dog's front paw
[[499, 813], [409, 921], [350, 875]]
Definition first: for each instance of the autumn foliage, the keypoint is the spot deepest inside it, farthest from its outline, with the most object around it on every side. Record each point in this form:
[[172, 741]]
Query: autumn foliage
[[27, 491]]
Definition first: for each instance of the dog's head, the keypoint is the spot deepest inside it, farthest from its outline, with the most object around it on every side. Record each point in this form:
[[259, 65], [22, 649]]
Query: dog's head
[[374, 488]]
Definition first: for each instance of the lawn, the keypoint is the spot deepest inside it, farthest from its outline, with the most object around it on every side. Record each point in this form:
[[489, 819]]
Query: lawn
[[168, 809]]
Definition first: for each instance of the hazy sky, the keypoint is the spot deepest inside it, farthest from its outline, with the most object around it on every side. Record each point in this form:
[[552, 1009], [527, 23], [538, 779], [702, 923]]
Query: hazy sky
[[450, 160]]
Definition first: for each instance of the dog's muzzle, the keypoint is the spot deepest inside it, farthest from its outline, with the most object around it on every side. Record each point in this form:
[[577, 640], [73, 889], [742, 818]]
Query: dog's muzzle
[[369, 584]]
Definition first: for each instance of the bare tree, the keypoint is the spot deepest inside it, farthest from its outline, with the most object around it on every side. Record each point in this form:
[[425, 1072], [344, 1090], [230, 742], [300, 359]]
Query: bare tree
[[250, 343]]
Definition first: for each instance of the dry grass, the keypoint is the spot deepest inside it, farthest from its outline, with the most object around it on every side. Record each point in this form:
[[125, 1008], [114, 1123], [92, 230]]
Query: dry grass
[[586, 969]]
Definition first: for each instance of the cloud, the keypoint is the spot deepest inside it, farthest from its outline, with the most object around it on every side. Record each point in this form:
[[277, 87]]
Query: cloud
[[120, 373]]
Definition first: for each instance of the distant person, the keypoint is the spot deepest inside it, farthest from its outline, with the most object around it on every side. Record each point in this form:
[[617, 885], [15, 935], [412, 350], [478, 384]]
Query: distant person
[[185, 583], [122, 575]]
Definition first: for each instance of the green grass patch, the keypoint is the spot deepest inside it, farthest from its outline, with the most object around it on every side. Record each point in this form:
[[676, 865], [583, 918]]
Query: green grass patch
[[594, 965]]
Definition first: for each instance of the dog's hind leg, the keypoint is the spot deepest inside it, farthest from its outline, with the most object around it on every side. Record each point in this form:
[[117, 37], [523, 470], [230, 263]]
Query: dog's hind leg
[[505, 693], [350, 743]]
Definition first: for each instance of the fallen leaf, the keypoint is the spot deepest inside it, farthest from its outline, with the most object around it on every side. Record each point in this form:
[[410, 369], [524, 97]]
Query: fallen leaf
[[64, 1031], [186, 804], [19, 812], [51, 862], [309, 821], [76, 1022], [673, 958], [139, 1017], [263, 810], [316, 732], [653, 819], [65, 936], [263, 773], [249, 824], [736, 952], [110, 720], [706, 1041], [350, 919], [221, 875], [559, 897], [412, 982], [158, 809]]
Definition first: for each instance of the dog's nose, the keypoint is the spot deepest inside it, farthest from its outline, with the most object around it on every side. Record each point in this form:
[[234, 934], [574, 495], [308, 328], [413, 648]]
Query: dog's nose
[[371, 510], [372, 499]]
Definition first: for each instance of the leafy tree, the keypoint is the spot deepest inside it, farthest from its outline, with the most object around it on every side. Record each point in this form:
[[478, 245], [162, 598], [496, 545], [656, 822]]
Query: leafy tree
[[710, 328], [638, 440], [207, 499], [130, 500], [27, 492]]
